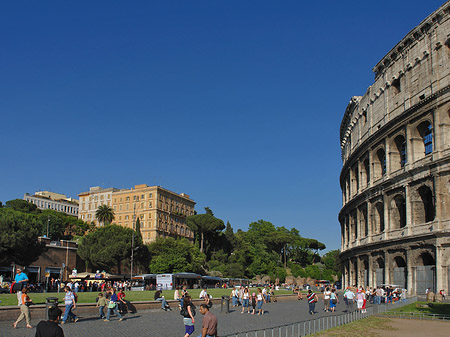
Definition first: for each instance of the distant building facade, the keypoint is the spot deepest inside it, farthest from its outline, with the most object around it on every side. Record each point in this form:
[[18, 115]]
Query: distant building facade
[[395, 179], [57, 261], [54, 201], [161, 213], [91, 200]]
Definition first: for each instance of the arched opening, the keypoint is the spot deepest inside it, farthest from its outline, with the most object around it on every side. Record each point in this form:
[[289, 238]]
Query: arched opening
[[425, 130], [379, 165], [380, 212], [355, 179], [365, 273], [427, 201], [425, 273], [400, 271], [398, 155], [363, 220], [354, 225], [379, 271], [366, 166], [398, 212]]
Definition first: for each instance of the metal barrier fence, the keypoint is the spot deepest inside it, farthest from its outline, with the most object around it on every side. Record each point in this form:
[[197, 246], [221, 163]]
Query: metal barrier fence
[[416, 315], [312, 326]]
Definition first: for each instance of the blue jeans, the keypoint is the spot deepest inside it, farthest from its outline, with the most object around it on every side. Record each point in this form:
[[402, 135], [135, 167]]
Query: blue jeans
[[234, 301], [163, 302], [245, 304], [100, 311], [116, 312], [312, 307], [68, 313]]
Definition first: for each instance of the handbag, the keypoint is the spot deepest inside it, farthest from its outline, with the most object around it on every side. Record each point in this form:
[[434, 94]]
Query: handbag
[[18, 286], [112, 305], [334, 301]]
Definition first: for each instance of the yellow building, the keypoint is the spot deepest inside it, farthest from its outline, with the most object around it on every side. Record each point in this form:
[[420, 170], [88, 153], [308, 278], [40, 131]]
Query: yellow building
[[161, 213], [91, 200]]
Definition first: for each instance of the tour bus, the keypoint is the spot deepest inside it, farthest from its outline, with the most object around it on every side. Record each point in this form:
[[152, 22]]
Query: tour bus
[[170, 281], [211, 282], [143, 282]]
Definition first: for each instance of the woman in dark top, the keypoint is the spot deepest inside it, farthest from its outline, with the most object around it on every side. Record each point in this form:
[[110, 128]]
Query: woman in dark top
[[188, 312]]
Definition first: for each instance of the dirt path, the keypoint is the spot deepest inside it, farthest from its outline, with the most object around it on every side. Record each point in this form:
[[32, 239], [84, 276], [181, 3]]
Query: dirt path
[[416, 328]]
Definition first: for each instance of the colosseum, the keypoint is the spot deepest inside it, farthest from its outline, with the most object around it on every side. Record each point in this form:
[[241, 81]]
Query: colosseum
[[395, 179]]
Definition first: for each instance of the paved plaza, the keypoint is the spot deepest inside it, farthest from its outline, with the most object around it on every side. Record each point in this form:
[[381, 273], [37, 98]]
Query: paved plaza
[[164, 324]]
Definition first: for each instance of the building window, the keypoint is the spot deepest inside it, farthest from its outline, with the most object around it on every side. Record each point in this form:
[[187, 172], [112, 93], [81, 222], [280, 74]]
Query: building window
[[396, 86], [428, 140]]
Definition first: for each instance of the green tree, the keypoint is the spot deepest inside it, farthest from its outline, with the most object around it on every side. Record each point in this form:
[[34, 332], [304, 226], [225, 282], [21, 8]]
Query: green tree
[[174, 255], [107, 246], [202, 224], [22, 206], [19, 238], [332, 261], [104, 214]]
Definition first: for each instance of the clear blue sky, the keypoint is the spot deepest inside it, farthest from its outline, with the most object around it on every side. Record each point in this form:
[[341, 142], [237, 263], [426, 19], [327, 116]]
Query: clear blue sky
[[236, 103]]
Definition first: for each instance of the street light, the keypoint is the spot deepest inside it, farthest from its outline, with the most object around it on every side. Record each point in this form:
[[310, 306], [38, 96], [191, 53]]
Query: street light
[[48, 224]]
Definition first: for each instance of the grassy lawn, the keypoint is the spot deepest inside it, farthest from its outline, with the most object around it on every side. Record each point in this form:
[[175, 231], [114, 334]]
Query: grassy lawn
[[437, 308], [89, 297], [369, 327]]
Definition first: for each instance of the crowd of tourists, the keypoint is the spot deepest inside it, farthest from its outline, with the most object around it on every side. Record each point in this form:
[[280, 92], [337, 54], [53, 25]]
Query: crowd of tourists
[[252, 301]]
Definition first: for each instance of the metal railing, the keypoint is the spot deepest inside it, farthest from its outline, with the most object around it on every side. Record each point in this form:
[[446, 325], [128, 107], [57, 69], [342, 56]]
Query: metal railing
[[308, 327]]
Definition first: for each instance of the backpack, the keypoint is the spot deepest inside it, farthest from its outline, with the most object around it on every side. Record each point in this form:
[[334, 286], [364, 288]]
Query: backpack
[[184, 312]]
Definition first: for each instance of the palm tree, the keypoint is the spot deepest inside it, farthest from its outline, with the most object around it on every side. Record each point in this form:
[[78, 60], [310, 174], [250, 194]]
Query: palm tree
[[104, 214]]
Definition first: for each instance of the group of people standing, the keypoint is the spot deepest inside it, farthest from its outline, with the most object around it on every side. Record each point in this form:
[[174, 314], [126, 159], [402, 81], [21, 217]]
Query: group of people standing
[[241, 296]]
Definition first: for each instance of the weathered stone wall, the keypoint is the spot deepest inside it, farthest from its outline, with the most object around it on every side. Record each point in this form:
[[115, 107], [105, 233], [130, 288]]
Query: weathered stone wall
[[395, 180]]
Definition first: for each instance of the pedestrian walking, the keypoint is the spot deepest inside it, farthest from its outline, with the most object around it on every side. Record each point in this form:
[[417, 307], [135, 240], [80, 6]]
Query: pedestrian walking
[[209, 323], [24, 310], [20, 281], [253, 303], [260, 300], [333, 300], [246, 300], [350, 299], [312, 299], [70, 303], [101, 304], [188, 313]]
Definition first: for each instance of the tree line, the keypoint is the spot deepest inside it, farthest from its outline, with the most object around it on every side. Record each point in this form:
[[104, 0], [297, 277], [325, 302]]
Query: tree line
[[263, 249]]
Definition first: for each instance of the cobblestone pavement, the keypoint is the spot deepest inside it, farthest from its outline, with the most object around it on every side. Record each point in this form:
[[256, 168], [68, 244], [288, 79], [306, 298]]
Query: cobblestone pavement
[[154, 323]]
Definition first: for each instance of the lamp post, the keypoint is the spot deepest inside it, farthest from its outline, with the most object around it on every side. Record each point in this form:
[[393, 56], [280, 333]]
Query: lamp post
[[48, 224], [132, 242]]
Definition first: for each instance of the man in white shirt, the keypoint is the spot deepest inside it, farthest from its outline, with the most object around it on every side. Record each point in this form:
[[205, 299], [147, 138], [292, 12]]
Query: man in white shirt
[[350, 296], [203, 293]]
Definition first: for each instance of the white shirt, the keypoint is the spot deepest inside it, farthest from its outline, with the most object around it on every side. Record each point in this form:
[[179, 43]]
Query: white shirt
[[203, 293]]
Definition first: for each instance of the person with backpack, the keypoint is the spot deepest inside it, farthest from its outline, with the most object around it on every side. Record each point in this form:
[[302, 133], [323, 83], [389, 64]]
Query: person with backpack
[[188, 313]]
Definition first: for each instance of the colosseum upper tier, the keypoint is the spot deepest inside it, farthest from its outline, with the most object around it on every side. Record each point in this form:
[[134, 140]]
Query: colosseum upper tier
[[395, 179]]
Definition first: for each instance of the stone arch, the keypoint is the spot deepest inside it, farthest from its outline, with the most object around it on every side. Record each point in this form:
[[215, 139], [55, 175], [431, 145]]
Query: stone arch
[[422, 139], [378, 217], [397, 212], [400, 271], [423, 204], [379, 267], [363, 220], [379, 163], [397, 155], [425, 271]]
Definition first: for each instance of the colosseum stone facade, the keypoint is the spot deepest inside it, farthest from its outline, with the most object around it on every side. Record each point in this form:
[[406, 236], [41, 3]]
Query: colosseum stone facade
[[395, 180]]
